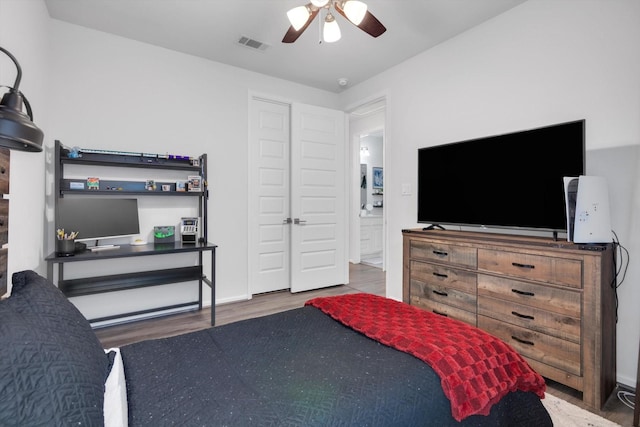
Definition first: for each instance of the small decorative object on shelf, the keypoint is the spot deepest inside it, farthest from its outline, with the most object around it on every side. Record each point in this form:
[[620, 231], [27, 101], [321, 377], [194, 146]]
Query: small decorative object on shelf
[[181, 186], [93, 183], [74, 153], [150, 185], [164, 233], [194, 183]]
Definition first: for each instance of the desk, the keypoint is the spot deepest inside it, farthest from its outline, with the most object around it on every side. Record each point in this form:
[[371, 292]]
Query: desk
[[119, 282], [636, 409]]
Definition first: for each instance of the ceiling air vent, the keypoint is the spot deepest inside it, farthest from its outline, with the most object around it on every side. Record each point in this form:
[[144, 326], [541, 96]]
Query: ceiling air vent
[[251, 43]]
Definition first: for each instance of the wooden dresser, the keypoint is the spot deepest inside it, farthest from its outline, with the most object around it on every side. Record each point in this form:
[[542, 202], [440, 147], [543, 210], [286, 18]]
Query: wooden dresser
[[553, 301]]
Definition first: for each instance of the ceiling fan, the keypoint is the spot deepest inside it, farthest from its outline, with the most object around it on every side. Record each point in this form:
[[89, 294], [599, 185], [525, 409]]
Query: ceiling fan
[[353, 10]]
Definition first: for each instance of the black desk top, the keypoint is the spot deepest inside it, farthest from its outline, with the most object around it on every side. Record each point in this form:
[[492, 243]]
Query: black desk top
[[124, 251]]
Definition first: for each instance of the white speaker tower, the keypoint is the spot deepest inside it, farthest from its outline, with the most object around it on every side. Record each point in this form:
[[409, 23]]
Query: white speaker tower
[[588, 215]]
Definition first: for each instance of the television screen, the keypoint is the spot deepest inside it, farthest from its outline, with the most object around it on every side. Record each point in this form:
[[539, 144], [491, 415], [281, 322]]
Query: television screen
[[95, 218], [513, 180]]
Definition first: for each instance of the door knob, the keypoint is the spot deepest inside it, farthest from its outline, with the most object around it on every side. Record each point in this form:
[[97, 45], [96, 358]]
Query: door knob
[[299, 221], [286, 221]]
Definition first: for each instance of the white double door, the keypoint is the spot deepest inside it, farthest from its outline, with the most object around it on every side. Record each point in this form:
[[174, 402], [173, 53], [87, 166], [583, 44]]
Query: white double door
[[297, 197]]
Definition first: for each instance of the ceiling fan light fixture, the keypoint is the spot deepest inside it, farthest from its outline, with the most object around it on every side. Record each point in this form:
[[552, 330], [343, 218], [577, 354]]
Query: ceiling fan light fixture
[[298, 16], [355, 11], [319, 3], [331, 30]]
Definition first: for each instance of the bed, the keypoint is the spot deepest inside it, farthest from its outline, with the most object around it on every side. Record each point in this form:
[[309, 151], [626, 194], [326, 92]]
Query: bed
[[335, 361]]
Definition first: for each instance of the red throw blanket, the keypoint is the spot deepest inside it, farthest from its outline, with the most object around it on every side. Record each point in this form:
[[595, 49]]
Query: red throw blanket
[[476, 369]]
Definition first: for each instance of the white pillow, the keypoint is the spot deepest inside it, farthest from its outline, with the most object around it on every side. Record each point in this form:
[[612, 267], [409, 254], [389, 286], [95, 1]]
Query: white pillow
[[115, 394]]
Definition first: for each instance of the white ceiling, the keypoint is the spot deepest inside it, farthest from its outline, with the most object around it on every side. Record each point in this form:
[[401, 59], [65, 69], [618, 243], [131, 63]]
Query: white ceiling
[[211, 28]]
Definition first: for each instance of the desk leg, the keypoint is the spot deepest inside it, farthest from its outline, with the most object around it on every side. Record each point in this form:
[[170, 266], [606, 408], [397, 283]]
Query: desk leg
[[200, 282], [213, 287], [636, 410]]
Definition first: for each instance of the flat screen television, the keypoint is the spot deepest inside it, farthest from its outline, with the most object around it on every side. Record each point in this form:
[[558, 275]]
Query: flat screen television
[[98, 218], [506, 181]]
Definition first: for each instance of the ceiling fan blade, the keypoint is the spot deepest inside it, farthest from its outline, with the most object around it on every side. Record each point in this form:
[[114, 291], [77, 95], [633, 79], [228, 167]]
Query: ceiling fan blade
[[292, 35], [369, 24]]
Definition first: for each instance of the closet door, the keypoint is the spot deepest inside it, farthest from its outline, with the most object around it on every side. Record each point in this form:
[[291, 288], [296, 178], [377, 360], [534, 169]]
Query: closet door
[[269, 197], [297, 197], [319, 234]]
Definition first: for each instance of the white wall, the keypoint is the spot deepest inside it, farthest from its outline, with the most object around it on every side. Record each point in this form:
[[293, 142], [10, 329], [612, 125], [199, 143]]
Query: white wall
[[543, 62], [24, 27], [117, 94]]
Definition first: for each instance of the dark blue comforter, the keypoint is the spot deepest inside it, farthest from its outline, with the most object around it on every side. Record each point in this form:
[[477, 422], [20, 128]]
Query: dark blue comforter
[[296, 368]]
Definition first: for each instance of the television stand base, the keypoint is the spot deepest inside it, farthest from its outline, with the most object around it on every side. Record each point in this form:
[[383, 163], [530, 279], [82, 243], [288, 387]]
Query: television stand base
[[434, 227]]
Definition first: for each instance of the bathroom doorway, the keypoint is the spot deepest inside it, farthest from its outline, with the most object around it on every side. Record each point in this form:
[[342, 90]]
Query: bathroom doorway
[[371, 198], [367, 214]]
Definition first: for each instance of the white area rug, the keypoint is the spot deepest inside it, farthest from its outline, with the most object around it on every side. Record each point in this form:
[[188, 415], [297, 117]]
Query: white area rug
[[564, 414]]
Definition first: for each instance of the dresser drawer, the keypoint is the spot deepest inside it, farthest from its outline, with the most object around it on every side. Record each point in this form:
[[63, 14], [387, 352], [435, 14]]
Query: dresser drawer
[[557, 325], [445, 310], [465, 281], [443, 295], [557, 300], [559, 271], [552, 351], [442, 252]]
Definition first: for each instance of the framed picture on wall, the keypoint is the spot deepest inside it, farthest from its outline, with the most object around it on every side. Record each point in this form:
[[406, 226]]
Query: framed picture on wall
[[378, 178]]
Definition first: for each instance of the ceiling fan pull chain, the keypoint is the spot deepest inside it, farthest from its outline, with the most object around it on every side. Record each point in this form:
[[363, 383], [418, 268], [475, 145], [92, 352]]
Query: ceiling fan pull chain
[[320, 21]]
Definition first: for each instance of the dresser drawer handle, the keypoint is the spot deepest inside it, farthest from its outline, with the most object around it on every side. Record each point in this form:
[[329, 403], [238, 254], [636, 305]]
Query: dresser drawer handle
[[522, 316], [444, 276], [442, 294], [529, 294], [522, 341], [441, 314], [517, 264], [440, 253]]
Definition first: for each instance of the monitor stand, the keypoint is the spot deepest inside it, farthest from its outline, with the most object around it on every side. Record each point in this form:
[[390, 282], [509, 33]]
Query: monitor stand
[[103, 248]]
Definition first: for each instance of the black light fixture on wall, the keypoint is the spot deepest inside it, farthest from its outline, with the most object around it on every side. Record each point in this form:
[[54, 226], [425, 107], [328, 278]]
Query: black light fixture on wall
[[17, 130]]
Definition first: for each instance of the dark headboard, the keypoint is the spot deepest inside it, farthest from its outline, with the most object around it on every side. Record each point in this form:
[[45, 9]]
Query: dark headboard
[[4, 216]]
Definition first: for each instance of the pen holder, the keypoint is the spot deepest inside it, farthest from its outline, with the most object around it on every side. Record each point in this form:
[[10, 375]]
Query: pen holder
[[65, 247]]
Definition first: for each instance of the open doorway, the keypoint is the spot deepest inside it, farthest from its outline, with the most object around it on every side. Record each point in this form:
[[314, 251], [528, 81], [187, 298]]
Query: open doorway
[[371, 198], [367, 213]]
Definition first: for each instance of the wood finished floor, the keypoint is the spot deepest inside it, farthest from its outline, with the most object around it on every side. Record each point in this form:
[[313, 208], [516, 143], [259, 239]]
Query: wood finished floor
[[363, 278]]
